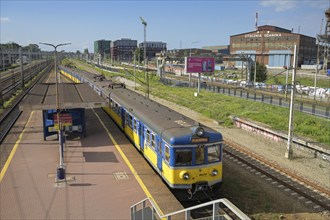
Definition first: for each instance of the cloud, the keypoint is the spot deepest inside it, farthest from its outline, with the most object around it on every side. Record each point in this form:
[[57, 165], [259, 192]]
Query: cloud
[[322, 4], [4, 20], [280, 5], [285, 5]]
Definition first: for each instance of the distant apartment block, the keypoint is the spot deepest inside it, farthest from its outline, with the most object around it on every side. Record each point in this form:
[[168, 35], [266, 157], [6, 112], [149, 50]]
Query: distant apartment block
[[123, 50], [102, 47], [219, 50], [152, 48]]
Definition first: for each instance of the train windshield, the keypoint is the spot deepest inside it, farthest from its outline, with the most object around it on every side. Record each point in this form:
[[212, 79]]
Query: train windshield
[[213, 153], [183, 157], [200, 155]]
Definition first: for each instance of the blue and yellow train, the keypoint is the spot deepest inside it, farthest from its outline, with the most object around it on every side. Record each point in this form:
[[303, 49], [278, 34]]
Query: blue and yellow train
[[186, 154]]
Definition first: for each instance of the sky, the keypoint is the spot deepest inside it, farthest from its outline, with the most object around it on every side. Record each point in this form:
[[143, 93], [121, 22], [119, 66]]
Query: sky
[[180, 24]]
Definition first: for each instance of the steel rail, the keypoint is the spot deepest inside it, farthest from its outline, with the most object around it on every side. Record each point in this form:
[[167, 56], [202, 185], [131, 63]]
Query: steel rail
[[295, 178]]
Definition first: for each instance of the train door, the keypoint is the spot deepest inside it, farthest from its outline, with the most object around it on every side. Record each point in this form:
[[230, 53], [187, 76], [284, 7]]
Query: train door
[[159, 151], [141, 133], [122, 115]]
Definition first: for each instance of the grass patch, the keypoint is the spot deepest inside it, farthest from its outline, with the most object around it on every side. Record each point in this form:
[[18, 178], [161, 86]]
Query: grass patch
[[306, 81], [219, 107]]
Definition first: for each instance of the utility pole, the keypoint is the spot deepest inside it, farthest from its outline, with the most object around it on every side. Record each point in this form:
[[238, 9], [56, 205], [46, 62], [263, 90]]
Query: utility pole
[[135, 69], [21, 67], [317, 59], [289, 151], [145, 55]]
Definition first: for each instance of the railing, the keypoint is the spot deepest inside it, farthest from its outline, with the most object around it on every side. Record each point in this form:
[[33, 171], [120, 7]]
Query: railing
[[221, 209]]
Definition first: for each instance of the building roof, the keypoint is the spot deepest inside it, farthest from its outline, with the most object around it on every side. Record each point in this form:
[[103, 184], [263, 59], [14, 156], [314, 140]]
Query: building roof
[[71, 95], [272, 28]]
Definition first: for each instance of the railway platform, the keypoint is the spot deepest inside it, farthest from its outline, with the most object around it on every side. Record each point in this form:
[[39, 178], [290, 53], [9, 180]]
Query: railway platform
[[105, 174]]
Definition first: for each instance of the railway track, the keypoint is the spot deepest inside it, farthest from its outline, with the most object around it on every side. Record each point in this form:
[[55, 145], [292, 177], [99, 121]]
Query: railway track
[[10, 115], [307, 192]]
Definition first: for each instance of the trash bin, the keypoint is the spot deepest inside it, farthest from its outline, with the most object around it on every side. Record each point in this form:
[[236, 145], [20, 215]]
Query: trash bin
[[60, 173]]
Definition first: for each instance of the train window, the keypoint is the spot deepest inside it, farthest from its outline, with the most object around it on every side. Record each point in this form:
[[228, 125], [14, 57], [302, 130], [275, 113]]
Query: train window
[[167, 153], [117, 108], [213, 154], [129, 120], [134, 125], [200, 155], [153, 142], [183, 157], [148, 137]]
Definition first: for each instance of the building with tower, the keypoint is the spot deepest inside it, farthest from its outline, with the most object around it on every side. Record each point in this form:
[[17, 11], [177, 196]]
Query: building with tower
[[323, 42], [273, 46]]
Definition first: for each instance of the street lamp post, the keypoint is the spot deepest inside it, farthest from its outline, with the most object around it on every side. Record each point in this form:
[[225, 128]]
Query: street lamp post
[[289, 151], [61, 168], [145, 54], [195, 42], [287, 73]]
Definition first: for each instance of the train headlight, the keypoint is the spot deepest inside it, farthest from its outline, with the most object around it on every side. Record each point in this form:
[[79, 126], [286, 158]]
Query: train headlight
[[199, 131], [214, 172], [184, 175]]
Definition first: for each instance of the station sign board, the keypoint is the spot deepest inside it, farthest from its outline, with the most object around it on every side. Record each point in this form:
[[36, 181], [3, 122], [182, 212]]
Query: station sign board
[[199, 64], [65, 118]]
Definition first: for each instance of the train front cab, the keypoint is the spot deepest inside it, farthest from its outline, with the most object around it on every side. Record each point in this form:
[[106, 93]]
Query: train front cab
[[187, 166]]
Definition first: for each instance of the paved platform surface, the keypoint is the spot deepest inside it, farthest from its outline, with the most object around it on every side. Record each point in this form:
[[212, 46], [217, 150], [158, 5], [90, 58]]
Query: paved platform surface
[[71, 95], [102, 189]]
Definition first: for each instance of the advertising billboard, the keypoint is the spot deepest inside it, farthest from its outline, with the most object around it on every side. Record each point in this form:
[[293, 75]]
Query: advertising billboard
[[199, 64]]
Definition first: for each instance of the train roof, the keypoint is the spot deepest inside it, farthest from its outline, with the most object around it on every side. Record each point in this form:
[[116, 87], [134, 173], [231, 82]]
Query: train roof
[[174, 127]]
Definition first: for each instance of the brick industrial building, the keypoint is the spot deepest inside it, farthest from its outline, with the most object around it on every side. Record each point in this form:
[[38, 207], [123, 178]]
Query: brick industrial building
[[273, 46]]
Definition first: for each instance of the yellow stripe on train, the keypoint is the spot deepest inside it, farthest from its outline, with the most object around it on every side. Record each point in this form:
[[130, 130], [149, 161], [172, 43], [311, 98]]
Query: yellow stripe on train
[[195, 174]]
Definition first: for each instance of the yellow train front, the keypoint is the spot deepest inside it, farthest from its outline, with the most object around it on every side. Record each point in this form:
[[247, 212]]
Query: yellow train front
[[187, 155]]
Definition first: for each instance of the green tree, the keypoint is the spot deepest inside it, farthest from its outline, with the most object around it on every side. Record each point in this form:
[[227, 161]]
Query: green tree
[[261, 72], [139, 53], [32, 48], [86, 51], [10, 45]]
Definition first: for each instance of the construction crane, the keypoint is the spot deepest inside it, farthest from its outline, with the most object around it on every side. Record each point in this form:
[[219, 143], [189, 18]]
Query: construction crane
[[145, 55]]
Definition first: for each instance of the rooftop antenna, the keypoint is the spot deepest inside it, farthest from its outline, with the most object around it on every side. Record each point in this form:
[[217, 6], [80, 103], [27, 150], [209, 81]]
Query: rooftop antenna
[[256, 21], [299, 29]]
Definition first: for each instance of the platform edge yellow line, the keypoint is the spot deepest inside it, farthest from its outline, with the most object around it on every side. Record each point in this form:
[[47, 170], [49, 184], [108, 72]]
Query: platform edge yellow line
[[137, 177], [13, 151]]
